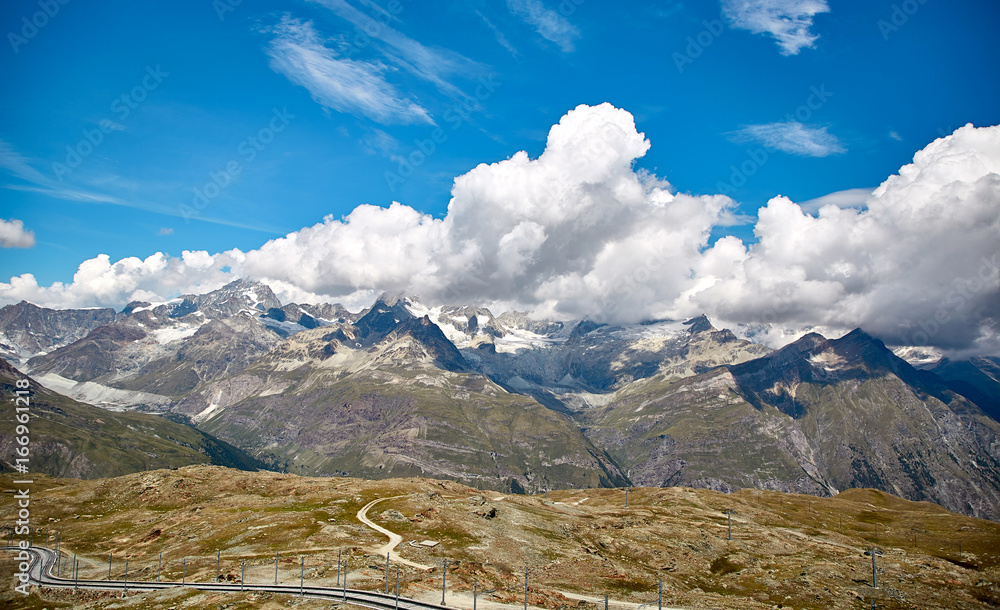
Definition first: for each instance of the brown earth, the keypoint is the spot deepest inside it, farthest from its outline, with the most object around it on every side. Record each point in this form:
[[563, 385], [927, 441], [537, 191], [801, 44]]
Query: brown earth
[[787, 551]]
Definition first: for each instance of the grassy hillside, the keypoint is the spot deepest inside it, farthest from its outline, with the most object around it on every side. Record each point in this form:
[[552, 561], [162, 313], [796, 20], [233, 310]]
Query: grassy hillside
[[787, 550], [72, 439]]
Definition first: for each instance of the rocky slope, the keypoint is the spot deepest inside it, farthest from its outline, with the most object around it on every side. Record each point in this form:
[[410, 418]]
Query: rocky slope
[[390, 395], [72, 439], [817, 416], [150, 356], [27, 330], [978, 379]]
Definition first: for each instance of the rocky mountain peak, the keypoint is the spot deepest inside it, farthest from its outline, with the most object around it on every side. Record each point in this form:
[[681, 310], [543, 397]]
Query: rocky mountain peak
[[699, 324], [234, 297]]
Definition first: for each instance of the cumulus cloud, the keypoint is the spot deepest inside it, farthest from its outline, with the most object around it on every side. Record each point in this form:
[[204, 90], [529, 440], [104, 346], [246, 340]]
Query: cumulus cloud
[[918, 266], [793, 138], [549, 24], [787, 21], [13, 234], [345, 85], [580, 233]]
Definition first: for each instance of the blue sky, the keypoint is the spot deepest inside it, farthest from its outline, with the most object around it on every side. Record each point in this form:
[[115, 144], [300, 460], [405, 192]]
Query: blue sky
[[838, 94]]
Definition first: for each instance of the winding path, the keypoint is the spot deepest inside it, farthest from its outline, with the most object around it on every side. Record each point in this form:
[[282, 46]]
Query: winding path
[[394, 538]]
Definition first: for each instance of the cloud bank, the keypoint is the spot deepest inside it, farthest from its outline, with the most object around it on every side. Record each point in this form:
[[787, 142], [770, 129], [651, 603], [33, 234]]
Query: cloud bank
[[580, 233]]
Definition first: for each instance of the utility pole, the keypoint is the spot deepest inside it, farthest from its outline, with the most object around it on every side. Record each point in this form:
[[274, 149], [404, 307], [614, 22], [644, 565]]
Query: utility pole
[[874, 552], [626, 497], [338, 567], [159, 566], [475, 587], [126, 576], [397, 591], [110, 555], [276, 567], [76, 572], [387, 573], [729, 513], [243, 571], [184, 570], [659, 595], [302, 576], [444, 579], [218, 556]]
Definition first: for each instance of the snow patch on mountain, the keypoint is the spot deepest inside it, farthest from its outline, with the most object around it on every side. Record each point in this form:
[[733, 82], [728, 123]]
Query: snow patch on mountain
[[175, 333], [112, 399]]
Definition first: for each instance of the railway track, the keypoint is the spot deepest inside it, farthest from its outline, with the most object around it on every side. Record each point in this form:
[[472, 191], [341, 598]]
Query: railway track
[[43, 559]]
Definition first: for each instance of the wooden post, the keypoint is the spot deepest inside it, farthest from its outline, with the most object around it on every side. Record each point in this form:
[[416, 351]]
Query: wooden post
[[525, 587]]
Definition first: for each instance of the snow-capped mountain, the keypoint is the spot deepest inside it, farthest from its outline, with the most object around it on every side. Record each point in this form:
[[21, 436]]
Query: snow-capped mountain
[[509, 402]]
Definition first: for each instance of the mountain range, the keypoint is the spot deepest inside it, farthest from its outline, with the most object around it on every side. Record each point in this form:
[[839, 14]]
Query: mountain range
[[513, 403]]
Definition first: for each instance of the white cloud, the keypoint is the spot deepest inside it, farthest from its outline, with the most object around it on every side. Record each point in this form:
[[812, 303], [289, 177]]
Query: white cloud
[[549, 24], [579, 233], [787, 21], [13, 235], [793, 138], [501, 38], [13, 162], [344, 85], [849, 198], [431, 64], [919, 265]]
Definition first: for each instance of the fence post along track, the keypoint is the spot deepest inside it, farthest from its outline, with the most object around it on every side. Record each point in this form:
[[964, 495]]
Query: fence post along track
[[874, 552], [444, 578]]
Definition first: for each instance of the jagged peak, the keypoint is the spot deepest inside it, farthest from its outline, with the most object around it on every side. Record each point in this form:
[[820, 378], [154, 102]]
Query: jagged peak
[[700, 324]]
